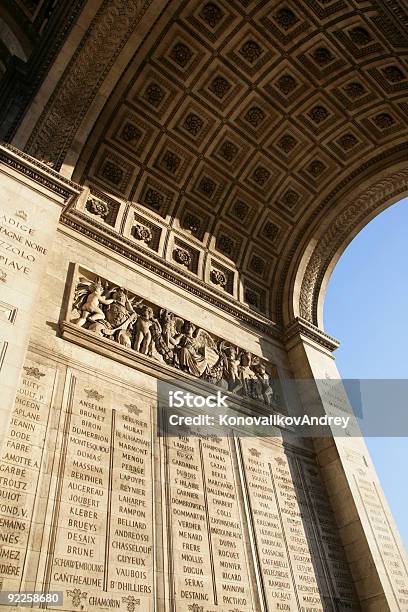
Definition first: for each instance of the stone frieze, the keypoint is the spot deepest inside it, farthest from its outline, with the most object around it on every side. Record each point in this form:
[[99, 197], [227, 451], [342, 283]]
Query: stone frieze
[[114, 313]]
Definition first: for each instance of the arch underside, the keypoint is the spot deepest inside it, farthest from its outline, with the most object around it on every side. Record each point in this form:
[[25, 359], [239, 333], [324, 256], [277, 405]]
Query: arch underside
[[245, 142]]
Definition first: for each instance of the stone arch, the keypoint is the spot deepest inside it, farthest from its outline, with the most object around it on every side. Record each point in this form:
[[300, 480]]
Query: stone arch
[[334, 234], [58, 124]]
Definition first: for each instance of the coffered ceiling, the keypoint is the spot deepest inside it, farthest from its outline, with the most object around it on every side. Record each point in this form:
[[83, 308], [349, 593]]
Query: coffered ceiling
[[236, 119]]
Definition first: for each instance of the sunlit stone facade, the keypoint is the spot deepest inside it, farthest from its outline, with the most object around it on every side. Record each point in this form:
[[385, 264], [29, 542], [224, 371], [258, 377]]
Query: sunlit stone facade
[[178, 180]]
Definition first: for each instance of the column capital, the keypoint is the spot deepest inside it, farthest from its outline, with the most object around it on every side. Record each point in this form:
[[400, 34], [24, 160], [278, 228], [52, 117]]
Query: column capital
[[302, 330]]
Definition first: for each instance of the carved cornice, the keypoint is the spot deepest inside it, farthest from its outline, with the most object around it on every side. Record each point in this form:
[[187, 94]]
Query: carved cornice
[[38, 172], [300, 327], [108, 33], [165, 269], [338, 234]]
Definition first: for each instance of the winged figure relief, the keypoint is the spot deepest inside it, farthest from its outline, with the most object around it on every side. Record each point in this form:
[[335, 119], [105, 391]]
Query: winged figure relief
[[191, 349], [110, 312]]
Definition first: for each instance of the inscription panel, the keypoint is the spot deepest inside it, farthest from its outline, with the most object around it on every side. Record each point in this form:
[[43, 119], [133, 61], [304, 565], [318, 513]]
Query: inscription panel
[[101, 545], [325, 530], [96, 542], [208, 559], [20, 467], [390, 553], [302, 562], [28, 220], [272, 552]]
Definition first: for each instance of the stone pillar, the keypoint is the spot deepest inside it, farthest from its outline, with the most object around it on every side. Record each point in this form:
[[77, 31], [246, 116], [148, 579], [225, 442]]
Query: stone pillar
[[32, 199], [372, 543]]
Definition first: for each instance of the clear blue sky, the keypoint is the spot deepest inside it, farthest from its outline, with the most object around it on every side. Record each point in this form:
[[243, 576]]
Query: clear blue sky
[[366, 308]]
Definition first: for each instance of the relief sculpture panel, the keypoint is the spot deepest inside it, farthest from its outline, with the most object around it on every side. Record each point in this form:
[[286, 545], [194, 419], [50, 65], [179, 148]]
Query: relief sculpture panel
[[113, 313]]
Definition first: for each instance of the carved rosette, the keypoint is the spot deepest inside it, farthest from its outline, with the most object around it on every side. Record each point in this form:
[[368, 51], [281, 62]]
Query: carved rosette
[[218, 278], [142, 233], [182, 257], [97, 207]]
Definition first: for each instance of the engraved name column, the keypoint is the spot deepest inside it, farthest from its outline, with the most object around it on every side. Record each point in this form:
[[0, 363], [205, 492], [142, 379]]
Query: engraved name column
[[191, 563], [327, 536], [208, 556], [273, 556], [20, 465], [226, 529], [300, 537], [131, 514], [391, 555], [78, 538], [101, 544]]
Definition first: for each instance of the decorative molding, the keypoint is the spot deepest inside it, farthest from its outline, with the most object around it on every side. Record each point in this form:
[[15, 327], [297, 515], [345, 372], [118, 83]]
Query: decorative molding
[[3, 351], [105, 38], [338, 234], [301, 327], [38, 172], [7, 312], [136, 253]]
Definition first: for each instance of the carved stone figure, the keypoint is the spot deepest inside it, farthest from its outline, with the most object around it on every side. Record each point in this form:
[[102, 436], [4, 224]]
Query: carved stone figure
[[262, 385], [230, 362], [246, 374], [120, 308], [143, 340], [163, 330], [88, 298], [103, 315], [109, 311], [120, 315], [191, 345], [168, 321]]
